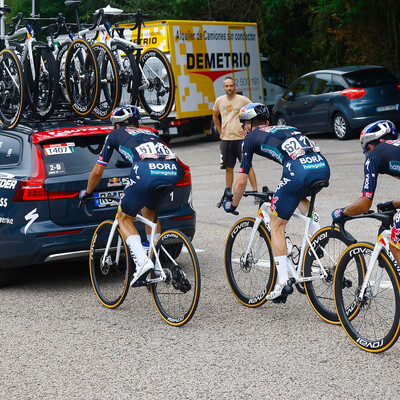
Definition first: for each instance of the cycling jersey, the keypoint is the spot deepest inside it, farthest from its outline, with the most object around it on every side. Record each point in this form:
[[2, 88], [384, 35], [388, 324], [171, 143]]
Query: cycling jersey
[[383, 159], [302, 164], [153, 164]]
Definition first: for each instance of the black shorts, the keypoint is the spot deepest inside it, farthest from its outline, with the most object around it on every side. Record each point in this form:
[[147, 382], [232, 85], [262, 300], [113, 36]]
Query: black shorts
[[231, 150]]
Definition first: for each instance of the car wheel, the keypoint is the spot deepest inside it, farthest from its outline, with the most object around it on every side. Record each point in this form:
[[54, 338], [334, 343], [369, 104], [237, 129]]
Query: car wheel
[[341, 127], [281, 120]]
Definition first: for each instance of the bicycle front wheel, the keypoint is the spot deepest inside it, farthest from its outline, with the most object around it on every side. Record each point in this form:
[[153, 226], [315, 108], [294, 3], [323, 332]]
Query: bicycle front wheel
[[11, 89], [82, 77], [249, 266], [157, 90], [176, 298], [110, 271], [372, 322], [329, 246], [110, 87]]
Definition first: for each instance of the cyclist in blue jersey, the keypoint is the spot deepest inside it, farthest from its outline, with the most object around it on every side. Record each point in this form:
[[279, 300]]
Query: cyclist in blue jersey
[[153, 164], [302, 165], [382, 150]]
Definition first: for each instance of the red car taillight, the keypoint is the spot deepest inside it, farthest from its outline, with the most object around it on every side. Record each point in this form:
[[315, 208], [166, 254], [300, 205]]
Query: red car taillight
[[187, 177], [353, 93], [398, 86], [32, 189]]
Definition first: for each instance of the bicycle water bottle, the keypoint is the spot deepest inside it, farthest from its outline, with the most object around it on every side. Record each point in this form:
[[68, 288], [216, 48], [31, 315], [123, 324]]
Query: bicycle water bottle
[[289, 245], [146, 247]]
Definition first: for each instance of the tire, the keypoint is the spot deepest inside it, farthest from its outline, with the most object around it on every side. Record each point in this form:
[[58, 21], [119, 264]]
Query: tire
[[320, 291], [44, 102], [177, 298], [129, 74], [157, 91], [110, 86], [82, 77], [373, 323], [281, 120], [60, 60], [110, 280], [250, 280], [341, 127], [11, 89]]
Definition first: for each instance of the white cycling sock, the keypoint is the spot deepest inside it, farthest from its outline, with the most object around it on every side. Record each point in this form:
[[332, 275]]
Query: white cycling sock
[[281, 267], [135, 247], [315, 226]]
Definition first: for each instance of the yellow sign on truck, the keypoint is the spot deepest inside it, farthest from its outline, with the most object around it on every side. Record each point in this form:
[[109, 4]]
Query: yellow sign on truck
[[202, 55]]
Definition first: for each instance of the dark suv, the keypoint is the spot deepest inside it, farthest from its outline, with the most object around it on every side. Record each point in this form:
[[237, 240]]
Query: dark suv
[[340, 100], [43, 167]]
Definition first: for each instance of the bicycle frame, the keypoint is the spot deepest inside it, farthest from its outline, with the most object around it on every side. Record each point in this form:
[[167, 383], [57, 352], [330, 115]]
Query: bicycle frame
[[263, 215]]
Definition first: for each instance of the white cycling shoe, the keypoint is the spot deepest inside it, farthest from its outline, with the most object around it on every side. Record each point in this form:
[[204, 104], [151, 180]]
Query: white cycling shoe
[[143, 270], [280, 293]]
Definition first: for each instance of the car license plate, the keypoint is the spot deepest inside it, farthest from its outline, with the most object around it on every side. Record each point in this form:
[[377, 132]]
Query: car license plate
[[387, 108], [106, 199]]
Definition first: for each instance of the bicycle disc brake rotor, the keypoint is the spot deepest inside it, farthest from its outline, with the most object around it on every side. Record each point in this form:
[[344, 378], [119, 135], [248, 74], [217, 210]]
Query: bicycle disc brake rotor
[[179, 280]]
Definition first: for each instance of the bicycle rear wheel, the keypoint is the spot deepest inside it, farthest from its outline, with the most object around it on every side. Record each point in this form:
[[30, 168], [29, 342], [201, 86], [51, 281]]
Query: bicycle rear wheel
[[372, 323], [177, 298], [129, 74], [41, 85], [82, 77], [110, 87], [253, 276], [110, 274], [329, 246], [61, 57], [11, 89], [157, 91]]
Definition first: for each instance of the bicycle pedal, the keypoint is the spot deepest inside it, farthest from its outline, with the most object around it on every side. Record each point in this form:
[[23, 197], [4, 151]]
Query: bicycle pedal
[[139, 283]]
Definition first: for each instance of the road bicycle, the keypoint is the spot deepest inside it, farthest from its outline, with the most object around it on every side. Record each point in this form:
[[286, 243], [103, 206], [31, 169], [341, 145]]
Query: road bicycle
[[249, 262], [367, 289], [11, 80], [175, 283], [145, 75]]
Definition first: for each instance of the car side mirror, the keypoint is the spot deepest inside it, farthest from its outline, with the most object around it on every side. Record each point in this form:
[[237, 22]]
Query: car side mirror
[[290, 96]]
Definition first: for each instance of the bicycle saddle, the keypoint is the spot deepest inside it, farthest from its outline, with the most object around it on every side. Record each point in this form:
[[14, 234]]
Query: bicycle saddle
[[72, 2], [318, 185]]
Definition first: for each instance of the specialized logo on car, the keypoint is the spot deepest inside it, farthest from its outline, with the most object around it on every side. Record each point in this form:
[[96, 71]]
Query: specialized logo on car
[[163, 169], [312, 162], [7, 183], [31, 217]]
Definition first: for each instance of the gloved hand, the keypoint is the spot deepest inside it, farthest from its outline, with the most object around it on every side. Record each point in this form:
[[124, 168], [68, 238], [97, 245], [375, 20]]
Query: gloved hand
[[228, 206], [388, 206], [83, 195], [337, 215]]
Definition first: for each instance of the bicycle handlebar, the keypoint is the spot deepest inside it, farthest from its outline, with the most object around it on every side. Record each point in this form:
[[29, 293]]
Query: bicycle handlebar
[[16, 22]]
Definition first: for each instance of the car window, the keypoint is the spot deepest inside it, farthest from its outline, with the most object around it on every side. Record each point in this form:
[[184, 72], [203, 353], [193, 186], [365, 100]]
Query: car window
[[301, 87], [10, 150], [322, 83], [76, 155], [338, 83], [370, 77]]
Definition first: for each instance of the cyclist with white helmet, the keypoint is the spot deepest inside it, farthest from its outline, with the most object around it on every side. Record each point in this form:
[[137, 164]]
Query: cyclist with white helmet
[[153, 164], [382, 150], [302, 165]]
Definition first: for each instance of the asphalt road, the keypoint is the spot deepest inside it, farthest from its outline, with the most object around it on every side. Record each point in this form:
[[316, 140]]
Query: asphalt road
[[58, 342]]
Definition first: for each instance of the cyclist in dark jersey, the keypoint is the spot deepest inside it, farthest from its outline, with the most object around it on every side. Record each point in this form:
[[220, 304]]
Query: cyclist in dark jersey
[[153, 164], [302, 165], [382, 149]]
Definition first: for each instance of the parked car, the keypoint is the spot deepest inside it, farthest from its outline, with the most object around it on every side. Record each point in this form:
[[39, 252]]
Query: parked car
[[43, 166], [340, 100]]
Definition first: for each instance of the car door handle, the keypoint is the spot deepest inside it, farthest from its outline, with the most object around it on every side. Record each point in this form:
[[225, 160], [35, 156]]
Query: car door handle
[[306, 102]]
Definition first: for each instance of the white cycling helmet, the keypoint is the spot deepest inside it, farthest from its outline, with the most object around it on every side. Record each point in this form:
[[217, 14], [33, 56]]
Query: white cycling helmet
[[375, 131], [124, 113], [253, 110]]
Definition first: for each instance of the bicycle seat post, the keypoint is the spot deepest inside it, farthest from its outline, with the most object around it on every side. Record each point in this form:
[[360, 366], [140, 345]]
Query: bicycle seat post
[[315, 188]]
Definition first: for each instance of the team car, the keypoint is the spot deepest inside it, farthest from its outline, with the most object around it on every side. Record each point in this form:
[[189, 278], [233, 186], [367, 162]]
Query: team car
[[43, 166]]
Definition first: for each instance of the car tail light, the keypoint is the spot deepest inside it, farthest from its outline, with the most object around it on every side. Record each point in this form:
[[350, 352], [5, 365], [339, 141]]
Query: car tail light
[[187, 177], [398, 86], [32, 188], [353, 93]]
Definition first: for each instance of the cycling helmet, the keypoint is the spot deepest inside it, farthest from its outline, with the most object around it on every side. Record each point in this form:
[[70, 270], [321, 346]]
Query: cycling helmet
[[124, 113], [375, 131], [253, 110]]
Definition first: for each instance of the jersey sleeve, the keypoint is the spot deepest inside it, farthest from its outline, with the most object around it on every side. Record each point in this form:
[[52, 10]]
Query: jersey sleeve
[[371, 172], [247, 155], [107, 151]]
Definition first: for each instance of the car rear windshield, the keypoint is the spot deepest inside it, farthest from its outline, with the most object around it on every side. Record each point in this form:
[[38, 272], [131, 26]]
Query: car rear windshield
[[76, 155], [370, 77]]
